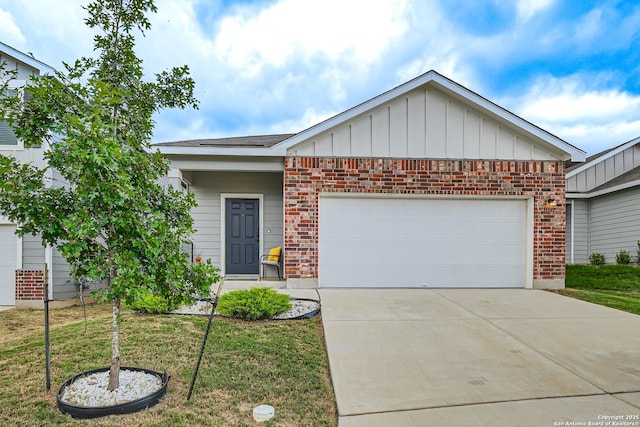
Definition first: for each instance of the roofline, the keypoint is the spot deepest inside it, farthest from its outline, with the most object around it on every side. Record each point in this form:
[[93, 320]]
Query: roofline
[[576, 154], [604, 157], [280, 149], [218, 151], [604, 191], [27, 59]]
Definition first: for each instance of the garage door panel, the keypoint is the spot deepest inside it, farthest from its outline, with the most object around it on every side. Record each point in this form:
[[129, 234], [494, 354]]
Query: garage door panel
[[376, 242]]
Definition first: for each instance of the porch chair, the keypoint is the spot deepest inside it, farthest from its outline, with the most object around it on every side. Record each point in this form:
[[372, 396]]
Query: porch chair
[[274, 259]]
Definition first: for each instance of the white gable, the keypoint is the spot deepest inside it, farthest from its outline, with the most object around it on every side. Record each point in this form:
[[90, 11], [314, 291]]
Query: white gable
[[428, 122], [605, 167], [26, 65]]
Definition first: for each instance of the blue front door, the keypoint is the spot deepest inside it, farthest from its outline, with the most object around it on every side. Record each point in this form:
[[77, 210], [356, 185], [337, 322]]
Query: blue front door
[[242, 236]]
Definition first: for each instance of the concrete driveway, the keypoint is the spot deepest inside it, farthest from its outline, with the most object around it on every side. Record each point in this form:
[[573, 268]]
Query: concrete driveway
[[482, 357]]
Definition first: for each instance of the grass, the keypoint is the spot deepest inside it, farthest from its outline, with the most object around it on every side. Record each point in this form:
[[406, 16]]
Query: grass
[[616, 286], [245, 364]]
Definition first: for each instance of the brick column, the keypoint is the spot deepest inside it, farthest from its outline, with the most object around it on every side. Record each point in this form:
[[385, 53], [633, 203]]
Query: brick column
[[30, 285]]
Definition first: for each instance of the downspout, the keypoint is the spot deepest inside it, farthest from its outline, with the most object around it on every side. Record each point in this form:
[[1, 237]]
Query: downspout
[[48, 252], [573, 228], [48, 259]]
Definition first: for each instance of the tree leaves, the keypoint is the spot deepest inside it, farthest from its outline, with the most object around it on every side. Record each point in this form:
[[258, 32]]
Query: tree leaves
[[99, 200]]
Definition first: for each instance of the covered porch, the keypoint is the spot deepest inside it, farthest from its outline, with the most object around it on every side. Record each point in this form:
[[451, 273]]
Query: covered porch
[[239, 216]]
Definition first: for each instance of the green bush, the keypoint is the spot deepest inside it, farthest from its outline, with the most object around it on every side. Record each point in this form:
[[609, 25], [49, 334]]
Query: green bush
[[150, 303], [623, 257], [596, 259], [253, 304]]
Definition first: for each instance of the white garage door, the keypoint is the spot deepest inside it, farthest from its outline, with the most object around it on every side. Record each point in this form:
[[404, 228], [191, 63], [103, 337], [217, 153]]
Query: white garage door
[[398, 242], [8, 255]]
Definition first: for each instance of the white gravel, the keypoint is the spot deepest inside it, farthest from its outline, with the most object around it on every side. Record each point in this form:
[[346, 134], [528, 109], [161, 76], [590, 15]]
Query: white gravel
[[298, 308], [91, 390]]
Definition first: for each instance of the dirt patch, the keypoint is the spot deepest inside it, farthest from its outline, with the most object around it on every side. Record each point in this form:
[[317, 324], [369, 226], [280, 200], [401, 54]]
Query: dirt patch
[[18, 322]]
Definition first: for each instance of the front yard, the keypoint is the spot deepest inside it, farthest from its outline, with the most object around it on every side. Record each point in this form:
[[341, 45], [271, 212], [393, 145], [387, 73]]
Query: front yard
[[280, 363], [616, 286]]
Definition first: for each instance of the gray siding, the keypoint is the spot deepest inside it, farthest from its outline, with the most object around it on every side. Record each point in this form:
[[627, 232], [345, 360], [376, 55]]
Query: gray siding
[[64, 286], [580, 231], [208, 187], [32, 253], [615, 223]]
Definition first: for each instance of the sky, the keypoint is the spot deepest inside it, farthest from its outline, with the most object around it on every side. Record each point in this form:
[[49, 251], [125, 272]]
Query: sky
[[280, 66]]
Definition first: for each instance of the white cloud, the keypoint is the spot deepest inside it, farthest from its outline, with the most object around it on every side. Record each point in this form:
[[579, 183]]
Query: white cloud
[[582, 110], [285, 65], [589, 26], [573, 100], [54, 32], [9, 31], [528, 8], [310, 118], [355, 31]]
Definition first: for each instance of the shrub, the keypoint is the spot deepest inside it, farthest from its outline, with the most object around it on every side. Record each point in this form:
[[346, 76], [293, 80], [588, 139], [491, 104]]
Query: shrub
[[623, 257], [253, 304], [149, 303], [596, 259]]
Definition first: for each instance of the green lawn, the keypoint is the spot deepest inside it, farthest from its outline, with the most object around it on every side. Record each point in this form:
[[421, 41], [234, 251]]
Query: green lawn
[[280, 363], [616, 286]]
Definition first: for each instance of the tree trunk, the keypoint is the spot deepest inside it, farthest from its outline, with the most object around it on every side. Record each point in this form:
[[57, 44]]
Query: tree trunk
[[114, 372]]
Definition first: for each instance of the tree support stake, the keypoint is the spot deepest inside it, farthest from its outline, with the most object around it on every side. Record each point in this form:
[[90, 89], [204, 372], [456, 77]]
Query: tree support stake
[[214, 304]]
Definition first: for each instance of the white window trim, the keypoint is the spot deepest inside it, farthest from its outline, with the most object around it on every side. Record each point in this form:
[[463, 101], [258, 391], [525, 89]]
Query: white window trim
[[18, 85]]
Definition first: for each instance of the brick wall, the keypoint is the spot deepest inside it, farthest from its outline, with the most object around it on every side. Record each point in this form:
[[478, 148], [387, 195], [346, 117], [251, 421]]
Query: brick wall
[[30, 285], [306, 177]]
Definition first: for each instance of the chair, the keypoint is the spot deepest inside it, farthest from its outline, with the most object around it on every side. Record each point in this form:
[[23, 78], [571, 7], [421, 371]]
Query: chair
[[274, 259]]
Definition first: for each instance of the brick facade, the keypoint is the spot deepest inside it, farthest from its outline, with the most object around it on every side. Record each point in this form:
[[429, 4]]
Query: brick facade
[[306, 177], [30, 285]]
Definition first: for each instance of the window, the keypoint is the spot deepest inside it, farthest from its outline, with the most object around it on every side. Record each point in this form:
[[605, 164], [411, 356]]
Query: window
[[7, 135]]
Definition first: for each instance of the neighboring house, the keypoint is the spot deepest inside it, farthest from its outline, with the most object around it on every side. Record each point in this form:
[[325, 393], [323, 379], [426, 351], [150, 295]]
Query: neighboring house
[[426, 185], [23, 260], [603, 202]]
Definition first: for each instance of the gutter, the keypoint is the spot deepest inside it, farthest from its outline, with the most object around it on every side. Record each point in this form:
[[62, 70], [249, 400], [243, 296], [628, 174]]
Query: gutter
[[604, 191]]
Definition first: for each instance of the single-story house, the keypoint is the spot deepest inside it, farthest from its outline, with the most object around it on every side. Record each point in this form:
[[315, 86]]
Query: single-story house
[[426, 185], [603, 201]]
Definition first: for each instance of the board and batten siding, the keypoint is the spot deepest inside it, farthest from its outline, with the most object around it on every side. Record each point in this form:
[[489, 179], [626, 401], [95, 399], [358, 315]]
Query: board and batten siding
[[615, 223], [578, 232], [208, 187], [604, 171], [425, 123]]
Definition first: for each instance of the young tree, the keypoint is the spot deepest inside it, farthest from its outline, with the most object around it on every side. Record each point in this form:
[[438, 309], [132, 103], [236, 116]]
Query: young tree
[[109, 217]]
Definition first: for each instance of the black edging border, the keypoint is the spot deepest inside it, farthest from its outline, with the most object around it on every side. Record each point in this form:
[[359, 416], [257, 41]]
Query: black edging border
[[308, 315], [85, 412]]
